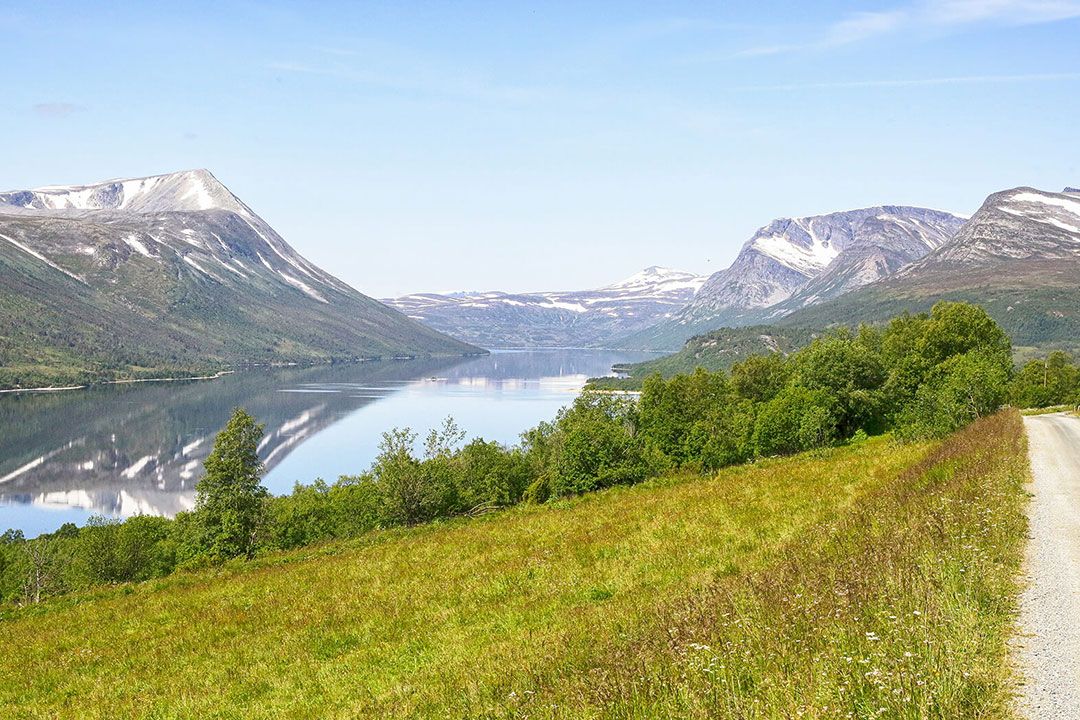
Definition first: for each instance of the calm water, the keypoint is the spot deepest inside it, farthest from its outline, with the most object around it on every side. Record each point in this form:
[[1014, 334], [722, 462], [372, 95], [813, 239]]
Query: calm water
[[124, 449]]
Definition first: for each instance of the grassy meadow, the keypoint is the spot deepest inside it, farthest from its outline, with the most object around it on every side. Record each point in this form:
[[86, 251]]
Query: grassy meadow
[[874, 580]]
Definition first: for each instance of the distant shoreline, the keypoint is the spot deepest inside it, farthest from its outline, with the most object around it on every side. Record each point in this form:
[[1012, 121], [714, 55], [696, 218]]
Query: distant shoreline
[[399, 358], [117, 382]]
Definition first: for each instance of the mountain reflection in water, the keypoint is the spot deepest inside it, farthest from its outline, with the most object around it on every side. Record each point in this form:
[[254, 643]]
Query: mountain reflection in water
[[120, 450]]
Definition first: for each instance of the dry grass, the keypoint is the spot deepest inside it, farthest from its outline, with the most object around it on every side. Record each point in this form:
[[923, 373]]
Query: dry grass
[[788, 588]]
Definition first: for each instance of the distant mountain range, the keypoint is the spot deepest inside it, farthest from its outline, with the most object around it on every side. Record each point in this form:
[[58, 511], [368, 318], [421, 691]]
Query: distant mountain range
[[172, 273], [1018, 256], [584, 318], [796, 262]]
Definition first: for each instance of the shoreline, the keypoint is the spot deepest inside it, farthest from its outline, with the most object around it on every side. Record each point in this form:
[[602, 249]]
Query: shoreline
[[400, 358], [117, 382]]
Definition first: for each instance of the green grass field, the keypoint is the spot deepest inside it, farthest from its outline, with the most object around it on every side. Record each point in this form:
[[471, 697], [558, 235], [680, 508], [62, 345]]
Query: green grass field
[[870, 581]]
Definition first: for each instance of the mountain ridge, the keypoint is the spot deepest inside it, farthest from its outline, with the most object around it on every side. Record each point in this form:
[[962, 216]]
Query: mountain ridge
[[1018, 256], [111, 280], [825, 254], [582, 318]]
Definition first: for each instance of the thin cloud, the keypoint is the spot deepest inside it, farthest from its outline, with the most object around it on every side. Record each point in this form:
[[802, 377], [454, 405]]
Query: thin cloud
[[57, 109], [916, 82], [929, 15], [420, 80]]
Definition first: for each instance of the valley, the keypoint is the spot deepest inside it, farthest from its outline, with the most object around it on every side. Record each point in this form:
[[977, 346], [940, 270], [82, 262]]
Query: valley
[[561, 361]]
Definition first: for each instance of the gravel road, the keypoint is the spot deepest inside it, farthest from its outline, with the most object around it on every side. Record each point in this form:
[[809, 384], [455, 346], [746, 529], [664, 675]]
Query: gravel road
[[1049, 647]]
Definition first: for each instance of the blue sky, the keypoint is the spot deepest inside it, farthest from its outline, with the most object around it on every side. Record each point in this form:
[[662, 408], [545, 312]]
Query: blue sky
[[503, 145]]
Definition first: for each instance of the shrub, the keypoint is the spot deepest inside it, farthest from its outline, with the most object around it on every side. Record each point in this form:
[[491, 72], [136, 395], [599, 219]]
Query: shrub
[[797, 419], [538, 492]]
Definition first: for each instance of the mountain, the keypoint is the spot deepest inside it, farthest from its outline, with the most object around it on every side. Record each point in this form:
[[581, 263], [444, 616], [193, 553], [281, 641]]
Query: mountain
[[1018, 256], [172, 273], [584, 318], [794, 262]]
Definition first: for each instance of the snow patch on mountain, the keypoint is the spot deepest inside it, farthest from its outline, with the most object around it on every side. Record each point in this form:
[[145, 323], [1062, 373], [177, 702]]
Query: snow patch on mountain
[[135, 244], [187, 191], [1072, 206], [555, 319], [34, 253]]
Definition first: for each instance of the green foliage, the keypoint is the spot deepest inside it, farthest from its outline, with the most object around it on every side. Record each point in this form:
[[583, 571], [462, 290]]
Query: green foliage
[[489, 473], [760, 377], [1042, 383], [229, 497], [110, 551], [851, 372], [716, 350], [538, 492], [797, 419], [599, 445], [696, 419]]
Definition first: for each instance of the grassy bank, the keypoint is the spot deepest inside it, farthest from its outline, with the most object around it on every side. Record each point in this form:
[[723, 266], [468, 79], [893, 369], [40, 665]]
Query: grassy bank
[[874, 579]]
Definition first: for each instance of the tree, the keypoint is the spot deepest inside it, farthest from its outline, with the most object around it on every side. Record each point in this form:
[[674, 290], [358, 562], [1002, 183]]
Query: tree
[[599, 445], [760, 377], [676, 416], [916, 348], [961, 390], [797, 419], [848, 370], [47, 558], [1053, 381], [229, 497], [397, 474]]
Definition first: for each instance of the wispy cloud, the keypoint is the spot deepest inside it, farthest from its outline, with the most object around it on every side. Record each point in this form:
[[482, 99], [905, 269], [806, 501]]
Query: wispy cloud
[[57, 109], [395, 67], [915, 82], [948, 15]]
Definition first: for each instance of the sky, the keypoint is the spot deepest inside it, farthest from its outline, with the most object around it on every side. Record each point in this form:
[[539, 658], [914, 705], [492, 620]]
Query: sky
[[428, 146]]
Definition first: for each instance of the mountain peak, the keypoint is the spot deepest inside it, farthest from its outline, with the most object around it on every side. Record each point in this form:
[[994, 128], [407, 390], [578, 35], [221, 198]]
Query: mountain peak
[[184, 191], [654, 275]]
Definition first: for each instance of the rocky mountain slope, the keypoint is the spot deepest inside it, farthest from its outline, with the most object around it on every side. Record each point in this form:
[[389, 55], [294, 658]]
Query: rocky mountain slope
[[173, 273], [794, 262], [1019, 256], [585, 318]]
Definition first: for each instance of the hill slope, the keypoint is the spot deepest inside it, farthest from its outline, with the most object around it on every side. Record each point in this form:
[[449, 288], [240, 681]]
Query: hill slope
[[1018, 256], [714, 351], [153, 275], [774, 585], [582, 318]]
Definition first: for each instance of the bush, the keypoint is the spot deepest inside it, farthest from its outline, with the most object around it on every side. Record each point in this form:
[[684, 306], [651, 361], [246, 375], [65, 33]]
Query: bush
[[599, 447], [538, 492], [795, 420]]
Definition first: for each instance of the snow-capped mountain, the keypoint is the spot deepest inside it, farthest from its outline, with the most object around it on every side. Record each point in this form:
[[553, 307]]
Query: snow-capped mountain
[[794, 262], [148, 206], [186, 191], [174, 270], [1018, 256], [880, 246], [582, 318], [1020, 223]]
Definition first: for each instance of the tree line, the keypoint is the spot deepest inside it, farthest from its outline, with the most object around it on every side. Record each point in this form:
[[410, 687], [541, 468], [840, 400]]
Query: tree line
[[920, 376]]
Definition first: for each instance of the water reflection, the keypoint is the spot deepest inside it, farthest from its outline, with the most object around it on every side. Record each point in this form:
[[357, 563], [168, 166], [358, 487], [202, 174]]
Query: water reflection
[[126, 449]]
